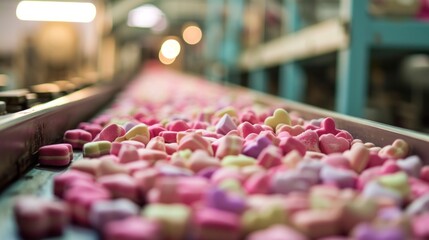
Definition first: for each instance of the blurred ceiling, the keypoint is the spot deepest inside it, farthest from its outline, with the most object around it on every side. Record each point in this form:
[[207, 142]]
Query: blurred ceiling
[[178, 12]]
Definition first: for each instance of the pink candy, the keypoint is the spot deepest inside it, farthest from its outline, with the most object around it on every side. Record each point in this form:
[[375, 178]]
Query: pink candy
[[56, 155], [131, 229], [77, 138], [37, 218], [110, 133]]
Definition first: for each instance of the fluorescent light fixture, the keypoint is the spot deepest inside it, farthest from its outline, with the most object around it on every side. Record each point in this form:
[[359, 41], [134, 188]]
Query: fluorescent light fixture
[[53, 11], [192, 34], [170, 48], [146, 16]]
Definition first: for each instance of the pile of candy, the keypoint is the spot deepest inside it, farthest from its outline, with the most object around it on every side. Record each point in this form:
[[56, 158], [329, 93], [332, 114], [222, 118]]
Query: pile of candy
[[170, 161]]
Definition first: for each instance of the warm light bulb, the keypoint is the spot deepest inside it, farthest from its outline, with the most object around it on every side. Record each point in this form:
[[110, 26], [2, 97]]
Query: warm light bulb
[[164, 60], [170, 48], [56, 11], [192, 35]]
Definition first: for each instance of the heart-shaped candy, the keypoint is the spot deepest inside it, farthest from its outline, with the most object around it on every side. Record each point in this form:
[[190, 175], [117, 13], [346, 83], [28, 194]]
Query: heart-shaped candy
[[292, 130], [288, 144], [194, 141], [329, 143], [247, 128], [399, 149], [310, 139], [280, 116], [358, 157], [254, 148]]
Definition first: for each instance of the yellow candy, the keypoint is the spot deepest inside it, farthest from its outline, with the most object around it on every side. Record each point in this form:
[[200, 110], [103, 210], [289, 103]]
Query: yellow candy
[[173, 218], [397, 182], [280, 116], [399, 149], [260, 218], [231, 185], [139, 133], [238, 161], [324, 197]]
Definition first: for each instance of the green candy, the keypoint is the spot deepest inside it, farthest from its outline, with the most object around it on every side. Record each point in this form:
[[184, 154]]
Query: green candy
[[238, 161], [96, 149], [173, 217], [397, 182]]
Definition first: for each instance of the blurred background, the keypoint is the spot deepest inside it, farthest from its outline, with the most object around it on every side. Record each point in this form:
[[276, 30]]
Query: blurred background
[[366, 58]]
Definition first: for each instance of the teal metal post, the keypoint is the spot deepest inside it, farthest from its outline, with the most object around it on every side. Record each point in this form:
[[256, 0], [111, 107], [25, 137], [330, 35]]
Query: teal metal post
[[352, 67], [258, 80], [292, 82], [213, 35], [231, 48]]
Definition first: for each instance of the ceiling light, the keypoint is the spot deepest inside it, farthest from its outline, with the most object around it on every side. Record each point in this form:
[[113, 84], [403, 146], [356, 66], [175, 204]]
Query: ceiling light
[[146, 16], [56, 11]]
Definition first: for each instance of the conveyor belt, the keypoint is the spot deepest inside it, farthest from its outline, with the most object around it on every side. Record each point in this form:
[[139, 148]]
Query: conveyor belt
[[23, 133]]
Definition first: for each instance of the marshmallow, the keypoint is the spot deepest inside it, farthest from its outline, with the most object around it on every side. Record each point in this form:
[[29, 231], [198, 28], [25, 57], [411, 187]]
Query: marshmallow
[[128, 154], [103, 212], [96, 149], [57, 155], [63, 181], [38, 218], [270, 156], [229, 145], [238, 161], [132, 228], [318, 223], [110, 133], [121, 186], [193, 142], [214, 224], [77, 138]]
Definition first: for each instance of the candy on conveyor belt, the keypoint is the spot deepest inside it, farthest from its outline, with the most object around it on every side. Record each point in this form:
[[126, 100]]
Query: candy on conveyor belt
[[195, 161]]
